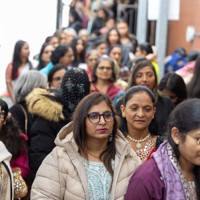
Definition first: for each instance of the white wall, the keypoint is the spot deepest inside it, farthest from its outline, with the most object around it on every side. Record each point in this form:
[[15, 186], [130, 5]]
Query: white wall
[[29, 20]]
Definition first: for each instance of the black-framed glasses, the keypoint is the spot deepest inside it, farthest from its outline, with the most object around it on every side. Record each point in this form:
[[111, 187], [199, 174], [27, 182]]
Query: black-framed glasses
[[95, 117]]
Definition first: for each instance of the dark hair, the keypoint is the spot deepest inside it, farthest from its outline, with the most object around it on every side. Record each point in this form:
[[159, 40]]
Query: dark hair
[[175, 84], [138, 66], [58, 53], [145, 47], [193, 87], [10, 134], [78, 58], [49, 38], [79, 127], [127, 96], [98, 42], [179, 119], [114, 46], [103, 58], [181, 51], [193, 55], [17, 61], [57, 67], [42, 64], [107, 36]]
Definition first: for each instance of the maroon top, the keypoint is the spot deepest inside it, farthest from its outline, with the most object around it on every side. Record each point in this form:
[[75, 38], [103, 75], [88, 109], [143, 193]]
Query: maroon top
[[146, 183], [112, 91]]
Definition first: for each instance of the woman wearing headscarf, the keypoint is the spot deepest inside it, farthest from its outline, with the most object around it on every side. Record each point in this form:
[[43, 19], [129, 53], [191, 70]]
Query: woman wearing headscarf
[[53, 111]]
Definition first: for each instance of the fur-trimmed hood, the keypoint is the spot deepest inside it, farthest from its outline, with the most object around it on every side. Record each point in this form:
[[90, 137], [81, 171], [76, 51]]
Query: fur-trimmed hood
[[40, 104]]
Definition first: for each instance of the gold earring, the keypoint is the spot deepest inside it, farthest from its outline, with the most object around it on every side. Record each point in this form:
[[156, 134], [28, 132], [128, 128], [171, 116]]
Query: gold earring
[[123, 115]]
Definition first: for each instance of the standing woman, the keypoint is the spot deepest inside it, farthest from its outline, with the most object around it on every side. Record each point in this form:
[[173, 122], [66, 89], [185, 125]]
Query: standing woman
[[173, 172], [193, 87], [55, 76], [92, 159], [143, 73], [90, 60], [63, 54], [103, 78], [173, 86], [113, 38], [79, 49], [44, 56], [20, 64], [13, 140], [138, 110]]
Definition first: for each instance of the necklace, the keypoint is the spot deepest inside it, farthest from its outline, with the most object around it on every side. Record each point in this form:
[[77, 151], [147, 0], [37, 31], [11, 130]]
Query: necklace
[[138, 142], [93, 155]]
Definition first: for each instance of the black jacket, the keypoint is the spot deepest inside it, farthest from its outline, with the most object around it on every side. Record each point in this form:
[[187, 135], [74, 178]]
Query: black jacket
[[49, 121]]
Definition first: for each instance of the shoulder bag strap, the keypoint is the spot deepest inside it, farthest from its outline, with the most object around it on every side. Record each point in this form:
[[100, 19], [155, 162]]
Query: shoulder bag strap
[[26, 118]]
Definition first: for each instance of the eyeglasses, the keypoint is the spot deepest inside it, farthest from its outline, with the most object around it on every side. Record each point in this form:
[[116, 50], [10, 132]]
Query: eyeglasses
[[95, 117], [102, 68], [57, 78]]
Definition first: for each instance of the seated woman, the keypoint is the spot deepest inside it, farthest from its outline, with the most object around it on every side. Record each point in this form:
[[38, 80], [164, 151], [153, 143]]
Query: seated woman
[[173, 171], [173, 86], [138, 110], [104, 77], [92, 158]]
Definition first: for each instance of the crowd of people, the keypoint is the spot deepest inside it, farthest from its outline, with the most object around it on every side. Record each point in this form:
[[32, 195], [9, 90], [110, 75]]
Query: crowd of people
[[91, 118]]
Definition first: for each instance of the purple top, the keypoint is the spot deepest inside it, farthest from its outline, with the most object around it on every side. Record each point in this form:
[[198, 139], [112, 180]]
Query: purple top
[[146, 183]]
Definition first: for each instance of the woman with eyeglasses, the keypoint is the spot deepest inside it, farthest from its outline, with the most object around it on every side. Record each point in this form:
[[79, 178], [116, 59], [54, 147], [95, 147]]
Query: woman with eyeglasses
[[14, 140], [92, 159], [55, 76], [173, 170], [104, 77]]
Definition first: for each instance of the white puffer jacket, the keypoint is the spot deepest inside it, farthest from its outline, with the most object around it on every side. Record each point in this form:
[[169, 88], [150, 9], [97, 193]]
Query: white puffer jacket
[[62, 176]]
